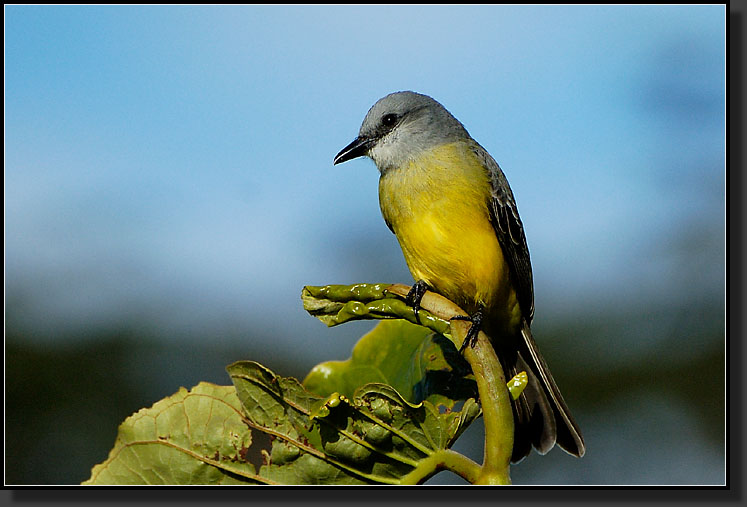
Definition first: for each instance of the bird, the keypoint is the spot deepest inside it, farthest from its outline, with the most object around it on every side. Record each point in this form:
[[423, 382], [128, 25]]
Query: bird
[[452, 210]]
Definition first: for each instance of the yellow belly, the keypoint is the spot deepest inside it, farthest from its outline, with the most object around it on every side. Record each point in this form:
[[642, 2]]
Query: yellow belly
[[438, 209]]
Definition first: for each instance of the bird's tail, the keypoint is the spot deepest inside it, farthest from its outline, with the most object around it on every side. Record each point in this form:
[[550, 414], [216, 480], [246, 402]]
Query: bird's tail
[[541, 417]]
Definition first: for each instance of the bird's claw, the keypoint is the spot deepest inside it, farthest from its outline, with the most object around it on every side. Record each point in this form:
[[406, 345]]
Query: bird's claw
[[474, 329], [415, 296]]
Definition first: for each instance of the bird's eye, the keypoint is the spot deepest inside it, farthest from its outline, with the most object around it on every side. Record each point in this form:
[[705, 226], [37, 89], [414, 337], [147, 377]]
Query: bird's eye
[[389, 119]]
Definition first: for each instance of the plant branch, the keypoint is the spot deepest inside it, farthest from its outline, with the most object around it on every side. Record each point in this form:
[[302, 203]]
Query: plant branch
[[496, 408], [337, 304], [444, 460], [494, 397]]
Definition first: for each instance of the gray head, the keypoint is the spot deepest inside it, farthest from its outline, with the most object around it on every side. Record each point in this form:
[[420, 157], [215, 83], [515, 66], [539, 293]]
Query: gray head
[[399, 127]]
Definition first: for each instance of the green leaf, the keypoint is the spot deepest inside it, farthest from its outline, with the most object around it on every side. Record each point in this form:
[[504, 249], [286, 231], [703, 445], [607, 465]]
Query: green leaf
[[517, 384], [387, 415], [374, 437], [191, 437], [418, 364]]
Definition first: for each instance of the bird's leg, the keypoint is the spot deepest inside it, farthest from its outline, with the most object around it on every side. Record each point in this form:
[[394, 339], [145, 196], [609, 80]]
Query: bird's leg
[[474, 329], [415, 295]]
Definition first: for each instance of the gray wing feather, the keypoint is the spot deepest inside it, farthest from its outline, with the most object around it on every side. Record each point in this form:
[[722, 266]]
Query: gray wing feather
[[510, 233], [537, 424]]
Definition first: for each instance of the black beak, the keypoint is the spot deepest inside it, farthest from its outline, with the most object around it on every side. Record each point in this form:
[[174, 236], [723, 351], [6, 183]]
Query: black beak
[[358, 148]]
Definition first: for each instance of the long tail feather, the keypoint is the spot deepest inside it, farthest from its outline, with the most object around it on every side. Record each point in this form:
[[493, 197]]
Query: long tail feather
[[541, 416]]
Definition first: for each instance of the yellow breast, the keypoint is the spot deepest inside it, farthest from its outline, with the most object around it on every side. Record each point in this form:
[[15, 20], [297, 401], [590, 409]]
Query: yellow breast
[[438, 208]]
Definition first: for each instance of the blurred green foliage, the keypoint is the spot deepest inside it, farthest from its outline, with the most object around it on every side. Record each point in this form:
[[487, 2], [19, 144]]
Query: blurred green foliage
[[65, 399]]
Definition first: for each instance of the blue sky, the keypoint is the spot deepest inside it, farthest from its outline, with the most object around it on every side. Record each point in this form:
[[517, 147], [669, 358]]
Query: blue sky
[[153, 151], [173, 165], [180, 157]]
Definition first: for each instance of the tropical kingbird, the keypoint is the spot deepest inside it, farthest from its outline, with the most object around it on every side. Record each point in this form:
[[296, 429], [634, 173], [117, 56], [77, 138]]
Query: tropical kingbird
[[450, 206]]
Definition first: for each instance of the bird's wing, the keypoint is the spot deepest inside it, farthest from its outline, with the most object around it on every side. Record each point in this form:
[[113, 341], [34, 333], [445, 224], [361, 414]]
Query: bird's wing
[[510, 233], [542, 395]]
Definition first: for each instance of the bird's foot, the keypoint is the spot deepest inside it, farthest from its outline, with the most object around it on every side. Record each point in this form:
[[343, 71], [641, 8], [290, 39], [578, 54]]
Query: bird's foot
[[415, 295], [474, 329]]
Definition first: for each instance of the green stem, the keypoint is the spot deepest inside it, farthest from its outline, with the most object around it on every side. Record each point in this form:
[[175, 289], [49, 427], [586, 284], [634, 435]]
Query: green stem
[[491, 386], [444, 460], [496, 408]]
